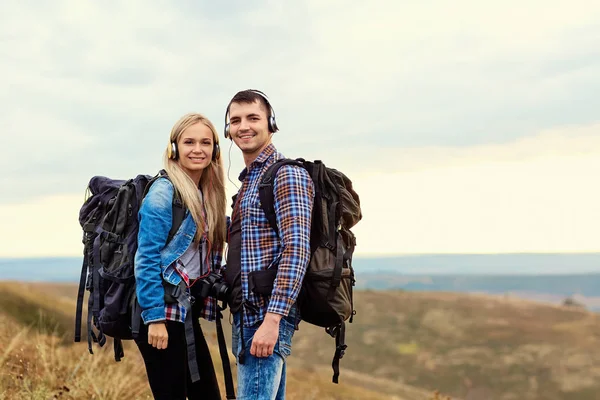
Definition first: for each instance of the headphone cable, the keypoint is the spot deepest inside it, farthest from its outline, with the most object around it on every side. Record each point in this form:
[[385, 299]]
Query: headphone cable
[[229, 166]]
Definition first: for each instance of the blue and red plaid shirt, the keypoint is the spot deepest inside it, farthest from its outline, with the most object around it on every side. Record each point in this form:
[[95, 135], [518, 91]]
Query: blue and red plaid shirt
[[175, 312], [261, 247]]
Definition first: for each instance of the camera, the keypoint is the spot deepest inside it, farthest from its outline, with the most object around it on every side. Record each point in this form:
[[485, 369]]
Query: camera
[[213, 285]]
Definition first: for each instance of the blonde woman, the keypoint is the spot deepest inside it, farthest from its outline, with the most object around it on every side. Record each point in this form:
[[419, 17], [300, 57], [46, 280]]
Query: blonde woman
[[171, 331]]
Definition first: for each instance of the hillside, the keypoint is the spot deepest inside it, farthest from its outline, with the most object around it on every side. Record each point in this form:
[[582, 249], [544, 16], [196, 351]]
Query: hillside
[[469, 346], [546, 288], [39, 361], [402, 345]]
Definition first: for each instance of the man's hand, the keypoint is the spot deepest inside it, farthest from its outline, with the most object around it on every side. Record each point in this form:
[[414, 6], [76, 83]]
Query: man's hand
[[266, 336], [157, 335]]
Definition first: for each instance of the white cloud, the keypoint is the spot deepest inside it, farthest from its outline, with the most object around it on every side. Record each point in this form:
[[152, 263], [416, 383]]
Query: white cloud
[[564, 142], [532, 195], [388, 91]]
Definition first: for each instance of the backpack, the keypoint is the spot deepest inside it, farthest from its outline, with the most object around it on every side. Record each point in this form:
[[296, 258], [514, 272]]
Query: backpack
[[109, 218], [326, 297]]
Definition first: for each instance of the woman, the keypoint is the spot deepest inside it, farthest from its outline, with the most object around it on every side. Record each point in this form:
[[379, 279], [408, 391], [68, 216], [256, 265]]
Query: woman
[[196, 178]]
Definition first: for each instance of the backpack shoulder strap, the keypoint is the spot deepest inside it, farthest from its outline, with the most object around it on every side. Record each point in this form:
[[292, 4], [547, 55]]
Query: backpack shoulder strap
[[178, 217], [265, 189]]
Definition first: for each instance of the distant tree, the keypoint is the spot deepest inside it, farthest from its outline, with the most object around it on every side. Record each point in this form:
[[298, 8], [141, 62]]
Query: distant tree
[[571, 302]]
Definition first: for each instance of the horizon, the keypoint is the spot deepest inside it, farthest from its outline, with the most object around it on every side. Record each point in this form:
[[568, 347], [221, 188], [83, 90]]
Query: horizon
[[486, 265], [363, 256]]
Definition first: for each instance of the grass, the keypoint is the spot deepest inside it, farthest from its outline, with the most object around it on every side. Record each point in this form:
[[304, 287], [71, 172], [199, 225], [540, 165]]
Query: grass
[[402, 345], [39, 361], [466, 346], [38, 365]]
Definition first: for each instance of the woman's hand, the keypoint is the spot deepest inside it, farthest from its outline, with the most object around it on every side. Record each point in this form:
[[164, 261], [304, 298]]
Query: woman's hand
[[157, 335]]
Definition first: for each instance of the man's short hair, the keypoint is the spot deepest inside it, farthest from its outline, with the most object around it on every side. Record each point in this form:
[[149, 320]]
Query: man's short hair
[[249, 96]]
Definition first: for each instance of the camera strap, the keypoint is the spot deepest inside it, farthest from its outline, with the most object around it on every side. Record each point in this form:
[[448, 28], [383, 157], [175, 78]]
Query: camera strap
[[230, 392], [184, 301]]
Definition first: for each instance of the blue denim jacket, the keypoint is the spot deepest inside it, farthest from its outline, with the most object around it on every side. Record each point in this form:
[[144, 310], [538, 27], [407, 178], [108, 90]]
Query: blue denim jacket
[[154, 258]]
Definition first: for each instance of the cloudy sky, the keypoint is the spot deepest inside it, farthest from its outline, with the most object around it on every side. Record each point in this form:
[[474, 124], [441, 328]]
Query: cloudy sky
[[466, 126]]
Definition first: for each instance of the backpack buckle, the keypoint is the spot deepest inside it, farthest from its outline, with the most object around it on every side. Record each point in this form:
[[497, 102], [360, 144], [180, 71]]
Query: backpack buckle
[[110, 237], [89, 227], [328, 245], [247, 305], [265, 182], [333, 330], [341, 350]]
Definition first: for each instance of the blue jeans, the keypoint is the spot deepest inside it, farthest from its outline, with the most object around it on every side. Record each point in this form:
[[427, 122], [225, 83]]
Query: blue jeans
[[262, 378]]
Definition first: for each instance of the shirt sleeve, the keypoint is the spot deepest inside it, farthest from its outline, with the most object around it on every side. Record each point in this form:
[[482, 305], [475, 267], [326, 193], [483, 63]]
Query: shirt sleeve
[[294, 197]]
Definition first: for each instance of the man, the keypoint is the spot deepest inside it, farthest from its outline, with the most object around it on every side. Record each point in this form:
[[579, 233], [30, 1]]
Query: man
[[268, 320]]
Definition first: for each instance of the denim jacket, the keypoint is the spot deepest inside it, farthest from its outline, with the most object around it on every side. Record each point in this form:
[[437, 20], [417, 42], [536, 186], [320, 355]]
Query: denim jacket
[[155, 260]]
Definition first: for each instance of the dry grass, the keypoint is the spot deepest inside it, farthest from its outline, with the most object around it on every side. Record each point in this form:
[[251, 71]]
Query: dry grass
[[39, 361], [402, 346], [467, 346], [36, 366]]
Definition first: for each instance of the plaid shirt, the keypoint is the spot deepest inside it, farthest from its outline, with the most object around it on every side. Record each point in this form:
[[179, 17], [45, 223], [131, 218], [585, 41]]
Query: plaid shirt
[[175, 312], [261, 247]]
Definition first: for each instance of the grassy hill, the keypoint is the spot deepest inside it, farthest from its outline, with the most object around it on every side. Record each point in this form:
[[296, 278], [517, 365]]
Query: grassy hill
[[402, 345], [470, 346], [39, 361]]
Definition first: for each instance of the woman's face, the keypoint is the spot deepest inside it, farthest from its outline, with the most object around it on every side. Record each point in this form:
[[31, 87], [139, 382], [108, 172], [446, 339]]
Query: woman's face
[[195, 148]]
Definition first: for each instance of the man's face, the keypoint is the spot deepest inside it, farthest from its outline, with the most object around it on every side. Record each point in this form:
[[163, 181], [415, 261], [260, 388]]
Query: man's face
[[249, 127]]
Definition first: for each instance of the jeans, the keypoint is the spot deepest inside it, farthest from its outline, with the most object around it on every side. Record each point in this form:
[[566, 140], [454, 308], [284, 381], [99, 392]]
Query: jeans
[[263, 378]]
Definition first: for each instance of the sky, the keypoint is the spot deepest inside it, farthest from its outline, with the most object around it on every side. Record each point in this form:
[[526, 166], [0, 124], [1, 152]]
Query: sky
[[465, 126]]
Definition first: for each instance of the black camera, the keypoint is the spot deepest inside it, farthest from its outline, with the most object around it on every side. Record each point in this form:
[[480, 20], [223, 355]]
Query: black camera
[[213, 285]]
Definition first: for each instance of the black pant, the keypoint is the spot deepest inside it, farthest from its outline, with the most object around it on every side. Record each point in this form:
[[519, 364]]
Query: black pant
[[168, 371]]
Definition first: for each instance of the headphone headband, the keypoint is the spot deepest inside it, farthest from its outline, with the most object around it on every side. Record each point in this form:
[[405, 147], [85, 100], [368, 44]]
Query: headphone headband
[[272, 123]]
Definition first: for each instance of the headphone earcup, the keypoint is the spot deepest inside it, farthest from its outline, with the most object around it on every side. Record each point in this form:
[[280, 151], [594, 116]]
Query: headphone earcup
[[172, 151], [273, 125], [226, 130], [216, 152]]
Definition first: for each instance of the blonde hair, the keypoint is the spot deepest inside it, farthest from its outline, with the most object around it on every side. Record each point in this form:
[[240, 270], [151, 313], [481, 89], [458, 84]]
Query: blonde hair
[[212, 184]]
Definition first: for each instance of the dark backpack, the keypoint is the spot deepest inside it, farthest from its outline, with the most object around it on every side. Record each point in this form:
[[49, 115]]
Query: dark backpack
[[109, 218], [326, 298]]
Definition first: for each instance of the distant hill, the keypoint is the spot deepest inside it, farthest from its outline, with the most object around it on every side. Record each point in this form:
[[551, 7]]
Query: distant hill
[[402, 345], [67, 269], [482, 264], [585, 288], [541, 277]]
